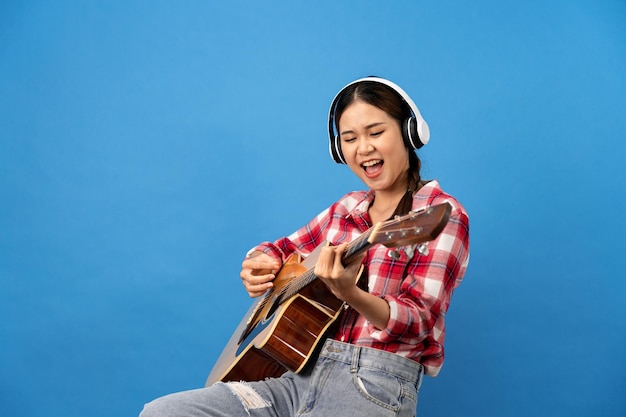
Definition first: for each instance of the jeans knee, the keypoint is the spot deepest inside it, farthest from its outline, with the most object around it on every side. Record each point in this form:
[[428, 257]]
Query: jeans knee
[[249, 398], [154, 408], [146, 411]]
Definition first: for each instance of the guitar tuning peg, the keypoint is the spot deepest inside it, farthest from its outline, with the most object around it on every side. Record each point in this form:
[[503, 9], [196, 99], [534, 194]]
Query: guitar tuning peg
[[393, 254], [423, 249], [410, 251]]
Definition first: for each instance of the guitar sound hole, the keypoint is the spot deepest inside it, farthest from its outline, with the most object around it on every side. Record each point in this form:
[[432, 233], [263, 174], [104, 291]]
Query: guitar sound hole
[[269, 308], [273, 307]]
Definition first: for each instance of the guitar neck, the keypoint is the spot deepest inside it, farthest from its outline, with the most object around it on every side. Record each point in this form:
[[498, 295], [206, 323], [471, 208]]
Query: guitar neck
[[357, 247], [412, 228], [354, 249]]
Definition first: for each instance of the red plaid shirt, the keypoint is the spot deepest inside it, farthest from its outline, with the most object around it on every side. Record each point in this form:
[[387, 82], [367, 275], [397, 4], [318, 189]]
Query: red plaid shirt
[[418, 287]]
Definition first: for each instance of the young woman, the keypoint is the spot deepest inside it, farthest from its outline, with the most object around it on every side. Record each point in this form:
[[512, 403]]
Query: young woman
[[392, 330]]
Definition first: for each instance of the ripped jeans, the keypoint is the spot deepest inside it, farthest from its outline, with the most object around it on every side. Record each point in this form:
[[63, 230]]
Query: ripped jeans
[[346, 380]]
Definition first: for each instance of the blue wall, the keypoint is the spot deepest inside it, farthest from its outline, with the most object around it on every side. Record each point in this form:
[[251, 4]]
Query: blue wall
[[145, 146]]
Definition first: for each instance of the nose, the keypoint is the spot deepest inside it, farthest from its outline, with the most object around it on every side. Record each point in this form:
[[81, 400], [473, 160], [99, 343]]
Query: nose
[[365, 147]]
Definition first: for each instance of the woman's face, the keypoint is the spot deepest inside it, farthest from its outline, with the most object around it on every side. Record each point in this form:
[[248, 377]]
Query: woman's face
[[372, 145]]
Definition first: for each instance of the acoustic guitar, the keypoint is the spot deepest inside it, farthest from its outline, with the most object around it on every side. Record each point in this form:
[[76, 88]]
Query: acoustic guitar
[[282, 328]]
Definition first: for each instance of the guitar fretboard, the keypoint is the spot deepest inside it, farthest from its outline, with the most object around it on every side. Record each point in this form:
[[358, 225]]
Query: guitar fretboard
[[355, 248]]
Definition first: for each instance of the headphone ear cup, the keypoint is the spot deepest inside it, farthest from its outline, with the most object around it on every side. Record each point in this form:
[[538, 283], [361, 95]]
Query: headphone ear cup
[[410, 135], [336, 152]]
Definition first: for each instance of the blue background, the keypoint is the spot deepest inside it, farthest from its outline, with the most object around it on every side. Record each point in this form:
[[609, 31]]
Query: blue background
[[145, 146]]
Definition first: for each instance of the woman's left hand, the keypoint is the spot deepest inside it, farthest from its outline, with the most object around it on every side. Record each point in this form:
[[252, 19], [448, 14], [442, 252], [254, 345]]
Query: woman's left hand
[[340, 280]]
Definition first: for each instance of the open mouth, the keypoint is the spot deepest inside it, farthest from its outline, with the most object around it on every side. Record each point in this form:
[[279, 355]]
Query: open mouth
[[372, 167]]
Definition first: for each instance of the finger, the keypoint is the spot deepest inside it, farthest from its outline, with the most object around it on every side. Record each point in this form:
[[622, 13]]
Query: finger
[[252, 279], [261, 265], [257, 285], [257, 290], [325, 261], [338, 256]]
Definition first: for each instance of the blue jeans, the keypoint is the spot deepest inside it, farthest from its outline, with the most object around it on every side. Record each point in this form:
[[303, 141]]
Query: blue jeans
[[346, 380]]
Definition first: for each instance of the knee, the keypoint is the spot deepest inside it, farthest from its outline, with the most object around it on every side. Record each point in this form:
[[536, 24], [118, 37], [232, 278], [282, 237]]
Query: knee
[[156, 408]]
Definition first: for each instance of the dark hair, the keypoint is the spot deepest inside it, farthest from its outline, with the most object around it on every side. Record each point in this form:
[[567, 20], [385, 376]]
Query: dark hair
[[389, 101]]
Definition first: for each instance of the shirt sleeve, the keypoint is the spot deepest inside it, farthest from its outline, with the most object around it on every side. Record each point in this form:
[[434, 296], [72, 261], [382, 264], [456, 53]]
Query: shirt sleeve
[[302, 241], [418, 311]]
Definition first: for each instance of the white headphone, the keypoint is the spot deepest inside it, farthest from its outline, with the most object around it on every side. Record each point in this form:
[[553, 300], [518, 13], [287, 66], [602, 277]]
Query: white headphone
[[415, 130]]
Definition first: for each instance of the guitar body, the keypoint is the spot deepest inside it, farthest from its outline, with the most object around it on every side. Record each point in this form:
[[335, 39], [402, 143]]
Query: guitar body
[[283, 328], [279, 337]]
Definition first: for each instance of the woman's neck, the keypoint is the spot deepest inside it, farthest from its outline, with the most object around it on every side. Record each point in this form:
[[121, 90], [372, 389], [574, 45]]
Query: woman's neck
[[384, 205]]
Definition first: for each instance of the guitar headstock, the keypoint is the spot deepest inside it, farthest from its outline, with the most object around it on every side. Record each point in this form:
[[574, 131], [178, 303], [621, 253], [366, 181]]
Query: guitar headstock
[[412, 228]]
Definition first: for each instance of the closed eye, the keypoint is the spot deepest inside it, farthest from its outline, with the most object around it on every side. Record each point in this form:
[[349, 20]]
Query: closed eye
[[376, 134]]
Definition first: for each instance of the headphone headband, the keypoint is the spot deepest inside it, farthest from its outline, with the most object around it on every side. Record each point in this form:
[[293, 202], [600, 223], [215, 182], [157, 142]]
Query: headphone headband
[[415, 128]]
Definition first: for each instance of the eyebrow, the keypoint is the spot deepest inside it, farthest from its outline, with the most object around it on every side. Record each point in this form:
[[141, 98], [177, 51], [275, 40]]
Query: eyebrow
[[371, 125]]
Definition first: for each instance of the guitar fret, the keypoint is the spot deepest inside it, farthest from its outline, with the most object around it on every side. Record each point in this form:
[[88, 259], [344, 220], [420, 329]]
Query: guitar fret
[[357, 245], [354, 248], [293, 287]]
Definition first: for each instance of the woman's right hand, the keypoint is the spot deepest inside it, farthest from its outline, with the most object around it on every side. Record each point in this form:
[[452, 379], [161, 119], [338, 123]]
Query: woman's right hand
[[257, 273]]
